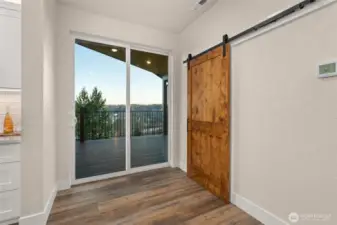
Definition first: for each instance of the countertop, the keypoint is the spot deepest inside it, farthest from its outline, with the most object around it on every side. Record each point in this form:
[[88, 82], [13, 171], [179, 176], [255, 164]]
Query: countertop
[[10, 140]]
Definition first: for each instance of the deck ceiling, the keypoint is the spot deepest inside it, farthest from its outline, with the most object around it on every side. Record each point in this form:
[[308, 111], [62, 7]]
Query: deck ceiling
[[158, 63]]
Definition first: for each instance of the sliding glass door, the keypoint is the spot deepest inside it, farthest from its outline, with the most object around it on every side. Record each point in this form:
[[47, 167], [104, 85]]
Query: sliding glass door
[[121, 105], [148, 82], [100, 104]]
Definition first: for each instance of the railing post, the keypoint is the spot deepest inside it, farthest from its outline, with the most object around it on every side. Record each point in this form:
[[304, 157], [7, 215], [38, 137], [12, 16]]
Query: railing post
[[165, 115], [165, 111], [82, 136]]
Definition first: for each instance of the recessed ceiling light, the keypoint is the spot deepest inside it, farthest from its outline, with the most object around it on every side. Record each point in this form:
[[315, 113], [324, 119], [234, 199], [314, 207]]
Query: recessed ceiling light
[[148, 62], [114, 50]]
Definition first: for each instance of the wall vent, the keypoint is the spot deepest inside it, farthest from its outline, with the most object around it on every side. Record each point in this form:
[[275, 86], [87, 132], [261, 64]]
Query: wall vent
[[199, 4], [202, 2]]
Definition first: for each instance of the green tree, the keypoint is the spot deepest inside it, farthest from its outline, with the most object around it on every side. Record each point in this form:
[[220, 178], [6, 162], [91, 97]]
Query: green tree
[[97, 119]]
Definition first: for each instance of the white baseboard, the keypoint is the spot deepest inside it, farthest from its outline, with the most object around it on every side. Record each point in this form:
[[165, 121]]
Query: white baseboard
[[9, 222], [256, 211], [63, 185], [183, 166], [41, 217]]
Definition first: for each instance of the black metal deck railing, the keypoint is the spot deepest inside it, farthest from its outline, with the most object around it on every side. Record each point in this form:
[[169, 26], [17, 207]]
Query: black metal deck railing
[[107, 124]]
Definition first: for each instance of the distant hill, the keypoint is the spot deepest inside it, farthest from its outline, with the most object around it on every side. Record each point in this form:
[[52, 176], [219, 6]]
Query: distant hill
[[135, 107]]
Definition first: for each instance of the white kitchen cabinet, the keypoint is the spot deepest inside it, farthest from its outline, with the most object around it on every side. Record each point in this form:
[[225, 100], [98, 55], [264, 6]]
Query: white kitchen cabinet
[[10, 45], [9, 176], [9, 205], [9, 152], [10, 78], [9, 180]]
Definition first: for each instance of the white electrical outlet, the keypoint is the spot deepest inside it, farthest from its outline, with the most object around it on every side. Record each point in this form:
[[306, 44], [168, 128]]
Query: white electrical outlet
[[327, 70]]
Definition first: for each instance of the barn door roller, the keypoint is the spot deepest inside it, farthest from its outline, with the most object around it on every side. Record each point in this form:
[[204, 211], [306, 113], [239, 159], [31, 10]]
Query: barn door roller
[[224, 43], [189, 58]]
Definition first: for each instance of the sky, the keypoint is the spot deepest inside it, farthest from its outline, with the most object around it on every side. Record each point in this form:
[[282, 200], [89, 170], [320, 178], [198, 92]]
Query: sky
[[93, 69]]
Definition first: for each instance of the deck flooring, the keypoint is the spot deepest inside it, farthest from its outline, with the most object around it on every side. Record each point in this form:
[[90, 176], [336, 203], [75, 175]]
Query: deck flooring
[[164, 196], [98, 157]]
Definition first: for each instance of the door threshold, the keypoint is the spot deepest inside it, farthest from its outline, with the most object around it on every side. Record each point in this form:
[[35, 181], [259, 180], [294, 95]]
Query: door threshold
[[120, 174]]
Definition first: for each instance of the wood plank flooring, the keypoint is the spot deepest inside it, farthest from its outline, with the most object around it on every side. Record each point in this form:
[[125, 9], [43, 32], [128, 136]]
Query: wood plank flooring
[[164, 196]]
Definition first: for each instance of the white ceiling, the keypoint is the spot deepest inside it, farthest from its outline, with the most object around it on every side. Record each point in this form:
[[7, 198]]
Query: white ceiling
[[14, 1], [169, 15]]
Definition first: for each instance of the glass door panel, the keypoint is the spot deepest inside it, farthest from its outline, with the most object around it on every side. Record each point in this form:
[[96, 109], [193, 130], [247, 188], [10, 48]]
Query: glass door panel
[[100, 98], [148, 109]]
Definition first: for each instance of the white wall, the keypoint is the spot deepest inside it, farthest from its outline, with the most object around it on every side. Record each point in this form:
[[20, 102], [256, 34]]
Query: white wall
[[226, 17], [284, 119], [32, 104], [49, 99], [72, 20], [38, 106]]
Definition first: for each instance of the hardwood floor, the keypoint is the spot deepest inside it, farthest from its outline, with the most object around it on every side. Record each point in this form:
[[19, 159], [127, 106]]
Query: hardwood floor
[[164, 196]]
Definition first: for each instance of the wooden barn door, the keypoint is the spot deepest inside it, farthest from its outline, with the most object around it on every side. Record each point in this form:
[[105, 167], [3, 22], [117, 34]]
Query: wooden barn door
[[208, 160]]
